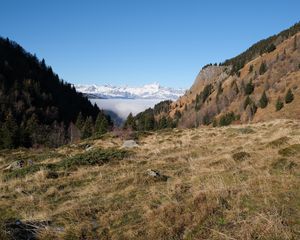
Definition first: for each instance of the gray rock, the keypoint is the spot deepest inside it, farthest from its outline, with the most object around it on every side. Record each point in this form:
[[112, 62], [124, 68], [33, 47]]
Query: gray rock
[[156, 175], [14, 165], [89, 148], [129, 144]]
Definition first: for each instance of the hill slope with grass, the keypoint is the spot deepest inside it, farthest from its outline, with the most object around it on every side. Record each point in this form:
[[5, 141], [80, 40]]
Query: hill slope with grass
[[235, 182], [252, 86]]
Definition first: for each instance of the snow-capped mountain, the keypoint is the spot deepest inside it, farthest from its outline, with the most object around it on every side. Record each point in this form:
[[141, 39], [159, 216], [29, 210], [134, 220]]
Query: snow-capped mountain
[[149, 91]]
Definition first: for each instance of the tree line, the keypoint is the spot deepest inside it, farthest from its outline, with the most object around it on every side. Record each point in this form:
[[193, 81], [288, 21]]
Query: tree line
[[36, 106]]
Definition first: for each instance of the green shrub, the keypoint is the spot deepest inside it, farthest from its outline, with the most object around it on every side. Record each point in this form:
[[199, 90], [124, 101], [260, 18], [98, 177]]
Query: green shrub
[[290, 151], [263, 100], [283, 164], [93, 157], [249, 88], [227, 119], [278, 142], [262, 68], [22, 172], [289, 97], [251, 68], [279, 104]]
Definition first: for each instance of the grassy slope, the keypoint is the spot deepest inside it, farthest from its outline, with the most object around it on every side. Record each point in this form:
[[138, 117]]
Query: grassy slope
[[238, 182], [283, 72]]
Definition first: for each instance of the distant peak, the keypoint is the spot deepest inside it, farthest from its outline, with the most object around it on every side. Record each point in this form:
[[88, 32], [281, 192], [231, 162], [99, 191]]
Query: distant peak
[[148, 91]]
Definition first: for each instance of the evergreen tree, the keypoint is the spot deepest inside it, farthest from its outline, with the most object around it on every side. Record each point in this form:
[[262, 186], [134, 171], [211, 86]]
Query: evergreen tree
[[10, 132], [101, 124], [163, 123], [80, 121], [251, 68], [289, 97], [279, 104], [262, 68], [130, 122], [263, 100], [249, 88], [149, 122], [32, 128], [87, 129]]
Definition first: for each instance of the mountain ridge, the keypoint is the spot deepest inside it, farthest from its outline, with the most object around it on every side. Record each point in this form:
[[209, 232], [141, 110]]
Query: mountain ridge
[[148, 91]]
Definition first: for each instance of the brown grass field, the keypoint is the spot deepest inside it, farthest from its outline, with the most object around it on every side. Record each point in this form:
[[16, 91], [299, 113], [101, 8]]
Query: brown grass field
[[236, 182]]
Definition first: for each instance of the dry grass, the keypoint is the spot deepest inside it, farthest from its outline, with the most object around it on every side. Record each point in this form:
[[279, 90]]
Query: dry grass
[[237, 182]]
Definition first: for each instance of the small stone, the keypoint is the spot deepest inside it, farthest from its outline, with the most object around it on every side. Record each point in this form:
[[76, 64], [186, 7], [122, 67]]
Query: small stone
[[129, 144]]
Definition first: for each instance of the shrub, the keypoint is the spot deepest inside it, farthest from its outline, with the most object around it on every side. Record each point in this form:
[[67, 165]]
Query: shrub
[[263, 100], [93, 157], [240, 156], [290, 151], [227, 119], [271, 48], [249, 88], [247, 102], [279, 104], [289, 97], [251, 68], [262, 68]]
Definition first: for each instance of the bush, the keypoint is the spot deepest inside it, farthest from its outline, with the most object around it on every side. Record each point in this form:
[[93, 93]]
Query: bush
[[289, 97], [240, 156], [93, 157], [271, 48], [263, 100], [251, 68], [279, 104], [249, 88], [227, 119], [262, 68]]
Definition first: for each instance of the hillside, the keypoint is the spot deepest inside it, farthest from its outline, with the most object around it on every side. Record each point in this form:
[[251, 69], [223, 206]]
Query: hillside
[[221, 90], [36, 106], [251, 87], [239, 182]]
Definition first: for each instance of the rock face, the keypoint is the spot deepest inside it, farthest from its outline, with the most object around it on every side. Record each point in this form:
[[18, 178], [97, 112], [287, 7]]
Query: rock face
[[129, 144]]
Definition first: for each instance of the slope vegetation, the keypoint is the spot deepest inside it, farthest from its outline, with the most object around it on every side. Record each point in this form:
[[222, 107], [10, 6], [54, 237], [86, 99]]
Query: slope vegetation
[[239, 182]]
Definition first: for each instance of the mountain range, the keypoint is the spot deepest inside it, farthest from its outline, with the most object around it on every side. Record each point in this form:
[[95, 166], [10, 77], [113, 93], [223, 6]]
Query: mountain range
[[149, 91]]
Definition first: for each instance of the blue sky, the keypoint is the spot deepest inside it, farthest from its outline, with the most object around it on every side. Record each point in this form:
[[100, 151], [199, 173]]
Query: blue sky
[[138, 42]]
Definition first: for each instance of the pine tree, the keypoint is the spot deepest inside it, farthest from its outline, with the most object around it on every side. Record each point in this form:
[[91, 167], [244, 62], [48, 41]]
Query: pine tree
[[32, 128], [80, 121], [289, 97], [262, 68], [251, 68], [10, 136], [101, 124], [163, 123], [149, 122], [263, 100], [279, 104], [87, 129], [249, 88], [130, 122]]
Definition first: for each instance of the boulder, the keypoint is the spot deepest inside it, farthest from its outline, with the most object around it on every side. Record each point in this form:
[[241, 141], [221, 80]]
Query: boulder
[[156, 175], [129, 144]]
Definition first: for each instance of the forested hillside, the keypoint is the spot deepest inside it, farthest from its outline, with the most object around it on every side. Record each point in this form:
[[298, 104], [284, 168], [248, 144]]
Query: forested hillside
[[36, 106], [260, 84]]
